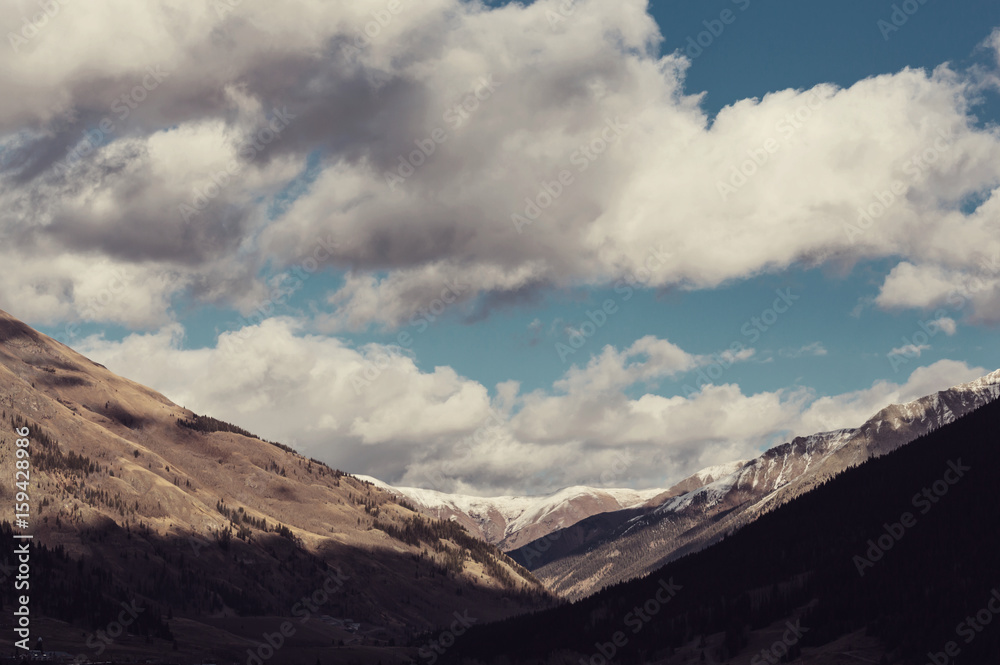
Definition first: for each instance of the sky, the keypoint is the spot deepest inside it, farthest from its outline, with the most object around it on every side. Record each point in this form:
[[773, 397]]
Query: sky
[[499, 248]]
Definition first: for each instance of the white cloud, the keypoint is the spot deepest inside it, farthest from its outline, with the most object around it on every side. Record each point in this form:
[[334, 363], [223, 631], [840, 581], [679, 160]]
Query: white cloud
[[813, 349], [853, 408], [945, 324], [372, 410], [963, 274], [652, 170], [908, 285], [645, 360], [910, 350]]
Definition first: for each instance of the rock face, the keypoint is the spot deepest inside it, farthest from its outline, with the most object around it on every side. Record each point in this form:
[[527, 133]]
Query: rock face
[[141, 498], [608, 548]]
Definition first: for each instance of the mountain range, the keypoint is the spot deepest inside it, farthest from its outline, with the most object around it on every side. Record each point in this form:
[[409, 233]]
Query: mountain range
[[216, 538], [894, 560], [581, 539], [204, 526], [511, 522]]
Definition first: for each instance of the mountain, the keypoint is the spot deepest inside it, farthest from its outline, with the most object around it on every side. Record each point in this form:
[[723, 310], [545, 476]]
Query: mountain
[[512, 521], [891, 561], [611, 547], [215, 535]]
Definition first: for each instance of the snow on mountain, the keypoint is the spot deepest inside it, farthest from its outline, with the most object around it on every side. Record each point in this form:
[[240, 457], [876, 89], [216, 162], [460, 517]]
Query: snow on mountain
[[712, 493], [704, 507], [789, 462], [509, 520], [713, 473], [509, 507], [746, 486]]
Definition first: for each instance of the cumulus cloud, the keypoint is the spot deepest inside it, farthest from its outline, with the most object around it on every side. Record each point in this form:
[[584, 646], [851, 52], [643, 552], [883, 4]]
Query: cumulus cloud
[[853, 408], [472, 114], [370, 409], [972, 292]]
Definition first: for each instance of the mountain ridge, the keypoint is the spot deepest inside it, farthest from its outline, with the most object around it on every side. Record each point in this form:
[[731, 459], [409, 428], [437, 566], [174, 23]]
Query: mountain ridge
[[866, 566], [511, 521], [692, 520], [135, 498]]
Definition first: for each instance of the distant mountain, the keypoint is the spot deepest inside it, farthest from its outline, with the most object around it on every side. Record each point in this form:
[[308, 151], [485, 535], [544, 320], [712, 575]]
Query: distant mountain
[[893, 561], [134, 499], [511, 521], [611, 547]]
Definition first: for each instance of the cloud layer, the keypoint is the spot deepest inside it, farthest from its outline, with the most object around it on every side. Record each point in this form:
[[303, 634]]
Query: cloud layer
[[446, 141], [372, 410]]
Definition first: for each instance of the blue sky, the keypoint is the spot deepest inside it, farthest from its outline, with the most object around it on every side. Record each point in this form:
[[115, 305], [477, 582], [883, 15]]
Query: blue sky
[[852, 303]]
